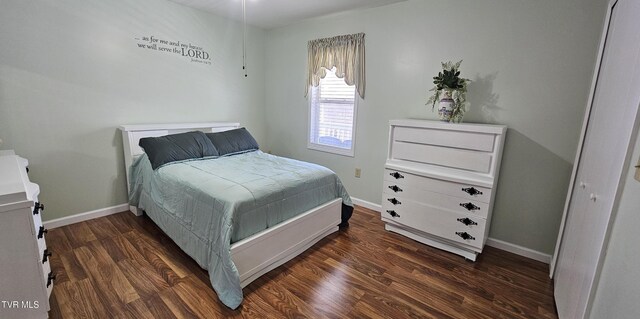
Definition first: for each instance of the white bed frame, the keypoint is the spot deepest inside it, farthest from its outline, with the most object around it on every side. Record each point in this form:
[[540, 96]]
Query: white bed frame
[[262, 252]]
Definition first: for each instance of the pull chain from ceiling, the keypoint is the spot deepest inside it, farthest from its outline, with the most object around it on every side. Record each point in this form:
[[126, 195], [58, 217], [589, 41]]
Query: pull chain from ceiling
[[244, 37]]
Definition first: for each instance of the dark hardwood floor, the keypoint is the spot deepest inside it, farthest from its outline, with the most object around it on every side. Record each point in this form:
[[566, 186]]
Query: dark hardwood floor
[[122, 266]]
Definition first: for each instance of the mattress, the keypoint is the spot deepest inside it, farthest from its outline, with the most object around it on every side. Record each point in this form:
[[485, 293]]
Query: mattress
[[206, 205]]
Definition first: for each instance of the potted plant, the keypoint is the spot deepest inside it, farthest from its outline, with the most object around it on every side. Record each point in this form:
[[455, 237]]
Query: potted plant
[[450, 92]]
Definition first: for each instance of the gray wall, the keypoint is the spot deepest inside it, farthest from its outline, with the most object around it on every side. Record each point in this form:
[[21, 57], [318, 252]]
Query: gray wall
[[618, 290], [531, 64], [71, 72]]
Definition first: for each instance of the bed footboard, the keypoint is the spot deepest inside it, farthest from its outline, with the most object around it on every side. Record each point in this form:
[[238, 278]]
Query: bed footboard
[[260, 253]]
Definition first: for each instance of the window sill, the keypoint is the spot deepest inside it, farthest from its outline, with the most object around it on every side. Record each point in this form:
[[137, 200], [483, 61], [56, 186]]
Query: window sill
[[332, 150]]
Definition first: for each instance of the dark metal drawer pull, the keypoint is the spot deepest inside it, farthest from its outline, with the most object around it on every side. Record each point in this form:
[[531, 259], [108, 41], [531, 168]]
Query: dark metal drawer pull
[[37, 208], [395, 188], [394, 201], [467, 221], [50, 278], [465, 236], [396, 175], [470, 206], [41, 232], [393, 213], [472, 191], [46, 255]]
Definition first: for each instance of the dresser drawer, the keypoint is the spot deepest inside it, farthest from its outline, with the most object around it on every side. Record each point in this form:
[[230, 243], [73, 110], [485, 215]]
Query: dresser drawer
[[392, 189], [46, 270], [33, 191], [470, 151], [37, 221], [464, 191], [461, 228], [476, 141], [42, 246]]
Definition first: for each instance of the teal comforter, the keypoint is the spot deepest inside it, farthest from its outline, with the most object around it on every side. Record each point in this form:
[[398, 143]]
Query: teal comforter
[[206, 205]]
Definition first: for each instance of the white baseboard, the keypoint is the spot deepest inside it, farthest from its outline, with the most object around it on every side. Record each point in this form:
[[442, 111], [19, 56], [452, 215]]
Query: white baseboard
[[68, 220], [496, 243], [366, 204], [519, 250]]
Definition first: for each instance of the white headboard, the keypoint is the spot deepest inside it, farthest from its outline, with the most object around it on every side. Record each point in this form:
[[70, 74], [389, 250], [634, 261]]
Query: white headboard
[[131, 135]]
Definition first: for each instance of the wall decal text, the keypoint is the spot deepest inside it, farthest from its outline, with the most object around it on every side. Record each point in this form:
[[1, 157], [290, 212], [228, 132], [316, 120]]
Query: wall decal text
[[184, 49]]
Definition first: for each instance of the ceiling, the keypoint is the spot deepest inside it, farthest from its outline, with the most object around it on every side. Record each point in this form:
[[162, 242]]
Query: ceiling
[[269, 14]]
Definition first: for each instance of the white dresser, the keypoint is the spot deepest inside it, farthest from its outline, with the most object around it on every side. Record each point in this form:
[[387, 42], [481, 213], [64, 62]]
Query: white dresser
[[440, 182], [26, 280]]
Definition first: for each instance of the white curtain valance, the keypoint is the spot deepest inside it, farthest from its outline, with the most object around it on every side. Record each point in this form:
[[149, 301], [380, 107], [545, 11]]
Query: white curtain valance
[[345, 53]]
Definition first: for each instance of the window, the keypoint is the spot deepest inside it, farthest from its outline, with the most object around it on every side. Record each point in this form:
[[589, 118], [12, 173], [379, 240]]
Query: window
[[333, 106], [332, 116]]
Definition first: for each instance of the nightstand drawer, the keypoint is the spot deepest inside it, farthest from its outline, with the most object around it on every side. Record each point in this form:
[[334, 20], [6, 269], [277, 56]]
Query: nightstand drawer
[[465, 191], [392, 189], [462, 228]]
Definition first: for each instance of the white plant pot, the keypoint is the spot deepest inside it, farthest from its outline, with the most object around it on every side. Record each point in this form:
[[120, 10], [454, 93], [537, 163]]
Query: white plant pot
[[445, 106]]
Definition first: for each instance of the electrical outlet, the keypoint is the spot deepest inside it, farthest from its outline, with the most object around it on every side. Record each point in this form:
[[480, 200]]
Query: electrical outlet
[[358, 171]]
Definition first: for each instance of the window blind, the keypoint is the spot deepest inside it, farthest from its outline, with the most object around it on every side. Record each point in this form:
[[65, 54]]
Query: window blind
[[332, 112]]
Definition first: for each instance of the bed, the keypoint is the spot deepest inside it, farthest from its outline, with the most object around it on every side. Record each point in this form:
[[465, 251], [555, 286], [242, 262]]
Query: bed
[[240, 214]]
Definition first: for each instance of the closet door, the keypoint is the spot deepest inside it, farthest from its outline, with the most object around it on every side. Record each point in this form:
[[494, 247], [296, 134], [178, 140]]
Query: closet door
[[604, 154]]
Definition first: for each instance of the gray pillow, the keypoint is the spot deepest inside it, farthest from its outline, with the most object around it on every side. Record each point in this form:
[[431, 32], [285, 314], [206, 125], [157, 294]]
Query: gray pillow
[[233, 141], [177, 147]]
